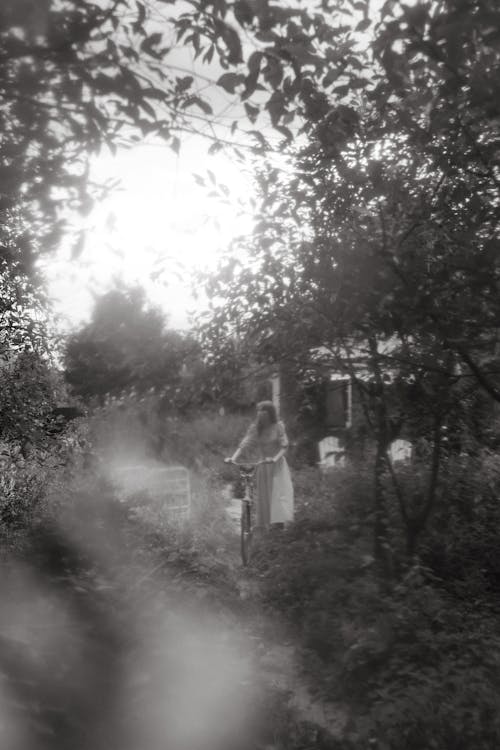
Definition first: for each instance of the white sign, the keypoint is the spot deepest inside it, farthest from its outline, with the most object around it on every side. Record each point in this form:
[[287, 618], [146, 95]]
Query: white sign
[[400, 450], [331, 453]]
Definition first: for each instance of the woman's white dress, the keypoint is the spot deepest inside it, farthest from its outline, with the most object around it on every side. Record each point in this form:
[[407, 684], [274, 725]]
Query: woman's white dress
[[273, 482]]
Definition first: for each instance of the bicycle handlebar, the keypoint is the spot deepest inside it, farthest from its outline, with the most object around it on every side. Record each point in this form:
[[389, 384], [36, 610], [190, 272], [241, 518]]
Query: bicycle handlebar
[[245, 463]]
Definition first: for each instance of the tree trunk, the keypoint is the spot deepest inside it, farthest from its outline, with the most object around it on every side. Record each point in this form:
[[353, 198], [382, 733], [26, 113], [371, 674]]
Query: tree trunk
[[415, 526], [382, 546]]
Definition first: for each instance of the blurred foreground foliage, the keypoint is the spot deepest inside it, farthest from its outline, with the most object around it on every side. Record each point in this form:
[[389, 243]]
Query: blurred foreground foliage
[[386, 231], [413, 660], [103, 604]]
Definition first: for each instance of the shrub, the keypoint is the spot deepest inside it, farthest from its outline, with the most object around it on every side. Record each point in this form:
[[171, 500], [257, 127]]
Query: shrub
[[27, 389], [437, 682], [461, 544], [28, 484], [418, 663], [135, 430]]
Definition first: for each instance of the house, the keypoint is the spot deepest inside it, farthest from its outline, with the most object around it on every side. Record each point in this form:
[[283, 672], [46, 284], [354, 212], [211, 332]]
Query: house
[[315, 407], [323, 409]]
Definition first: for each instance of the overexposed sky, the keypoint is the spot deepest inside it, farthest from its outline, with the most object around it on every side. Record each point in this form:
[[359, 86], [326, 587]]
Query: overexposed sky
[[159, 221], [159, 225], [156, 229]]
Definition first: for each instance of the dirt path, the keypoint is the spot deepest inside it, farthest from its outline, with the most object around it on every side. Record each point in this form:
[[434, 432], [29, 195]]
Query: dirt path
[[106, 643], [279, 667], [277, 663]]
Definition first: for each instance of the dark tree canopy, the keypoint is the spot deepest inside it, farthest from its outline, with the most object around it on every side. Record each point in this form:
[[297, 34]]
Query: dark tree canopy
[[387, 227]]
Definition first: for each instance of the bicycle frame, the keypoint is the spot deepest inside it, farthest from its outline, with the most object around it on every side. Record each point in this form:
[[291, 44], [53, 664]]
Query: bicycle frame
[[247, 472]]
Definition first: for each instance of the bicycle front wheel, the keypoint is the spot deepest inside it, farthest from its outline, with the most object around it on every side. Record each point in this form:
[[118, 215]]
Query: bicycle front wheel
[[246, 533]]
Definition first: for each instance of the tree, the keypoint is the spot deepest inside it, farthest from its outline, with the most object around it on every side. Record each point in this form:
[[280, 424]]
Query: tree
[[76, 77], [29, 391], [80, 76], [381, 246], [125, 346]]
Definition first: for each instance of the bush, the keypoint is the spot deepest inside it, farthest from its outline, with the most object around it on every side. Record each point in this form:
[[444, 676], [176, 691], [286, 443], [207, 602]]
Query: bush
[[28, 386], [134, 430], [461, 544], [29, 485], [418, 663], [313, 571], [206, 440], [437, 682]]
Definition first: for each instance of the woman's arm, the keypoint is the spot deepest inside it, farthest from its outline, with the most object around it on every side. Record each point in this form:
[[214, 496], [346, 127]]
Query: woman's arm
[[283, 442], [277, 457], [249, 441]]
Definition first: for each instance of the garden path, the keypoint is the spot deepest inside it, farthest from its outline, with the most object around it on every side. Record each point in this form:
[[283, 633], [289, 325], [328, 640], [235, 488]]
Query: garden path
[[278, 663], [107, 641]]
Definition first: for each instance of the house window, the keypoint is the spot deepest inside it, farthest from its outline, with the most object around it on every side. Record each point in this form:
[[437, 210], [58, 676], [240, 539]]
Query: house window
[[269, 389], [264, 390], [276, 391], [338, 403]]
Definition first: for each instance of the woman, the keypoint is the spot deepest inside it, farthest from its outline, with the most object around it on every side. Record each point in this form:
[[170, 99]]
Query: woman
[[267, 440]]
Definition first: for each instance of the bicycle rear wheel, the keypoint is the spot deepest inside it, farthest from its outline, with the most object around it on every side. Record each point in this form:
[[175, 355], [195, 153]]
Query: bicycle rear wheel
[[246, 533]]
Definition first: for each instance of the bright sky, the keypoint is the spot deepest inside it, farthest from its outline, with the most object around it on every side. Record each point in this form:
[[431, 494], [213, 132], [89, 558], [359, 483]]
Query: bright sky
[[159, 219], [158, 222]]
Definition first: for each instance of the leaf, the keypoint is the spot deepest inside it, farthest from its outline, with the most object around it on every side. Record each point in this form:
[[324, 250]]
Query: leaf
[[331, 77], [229, 81], [148, 108], [198, 102], [364, 25], [130, 78], [254, 61], [155, 38], [140, 18], [208, 56], [183, 84], [154, 93], [252, 112], [232, 40], [150, 42], [260, 138], [284, 131], [273, 72], [78, 246], [243, 12], [342, 90], [215, 148], [267, 36], [276, 107], [252, 78]]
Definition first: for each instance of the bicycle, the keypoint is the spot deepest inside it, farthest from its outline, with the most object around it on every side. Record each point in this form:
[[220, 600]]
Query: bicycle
[[247, 472]]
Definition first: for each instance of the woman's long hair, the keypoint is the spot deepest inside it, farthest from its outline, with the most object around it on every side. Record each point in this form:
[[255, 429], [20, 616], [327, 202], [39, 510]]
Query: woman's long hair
[[270, 409]]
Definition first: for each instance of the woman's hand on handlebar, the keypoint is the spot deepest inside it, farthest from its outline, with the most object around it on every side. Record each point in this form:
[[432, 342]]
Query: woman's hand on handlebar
[[248, 463]]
